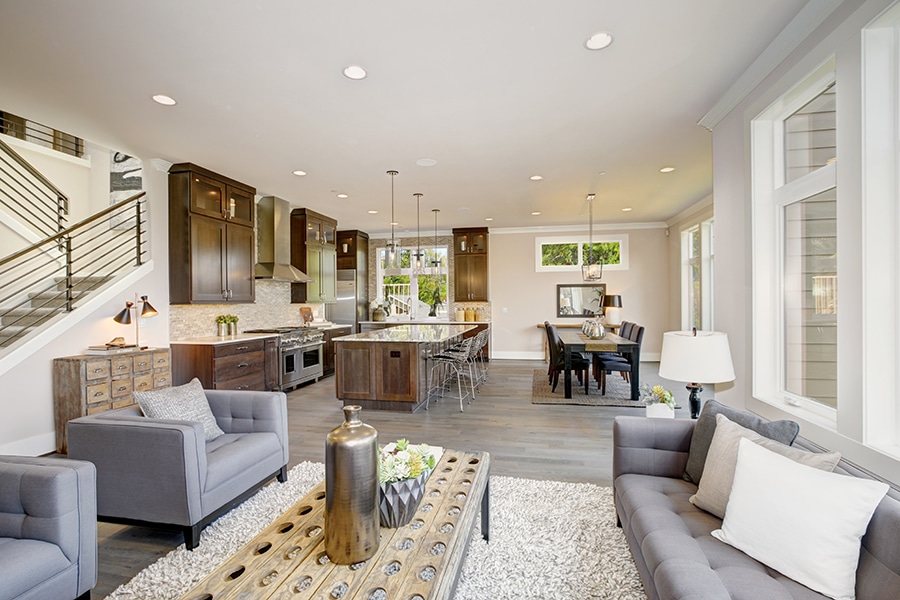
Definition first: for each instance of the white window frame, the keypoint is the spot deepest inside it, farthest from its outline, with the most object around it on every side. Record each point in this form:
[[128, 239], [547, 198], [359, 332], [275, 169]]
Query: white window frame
[[622, 239], [707, 277], [770, 195]]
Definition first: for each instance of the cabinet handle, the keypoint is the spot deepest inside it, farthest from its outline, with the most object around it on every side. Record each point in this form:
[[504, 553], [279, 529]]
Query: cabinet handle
[[160, 361], [225, 294], [243, 347], [142, 364], [120, 367], [243, 366], [162, 380], [99, 370], [142, 384], [97, 394], [122, 389]]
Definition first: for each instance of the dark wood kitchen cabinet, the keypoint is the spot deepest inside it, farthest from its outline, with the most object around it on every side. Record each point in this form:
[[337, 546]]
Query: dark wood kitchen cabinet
[[313, 251], [328, 350], [237, 365], [470, 258], [211, 238]]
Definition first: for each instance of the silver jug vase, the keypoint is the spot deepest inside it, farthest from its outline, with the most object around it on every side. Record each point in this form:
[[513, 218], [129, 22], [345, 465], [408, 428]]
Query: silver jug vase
[[351, 490]]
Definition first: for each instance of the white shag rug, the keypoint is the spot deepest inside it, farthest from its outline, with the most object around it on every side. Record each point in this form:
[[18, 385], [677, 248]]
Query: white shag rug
[[549, 540]]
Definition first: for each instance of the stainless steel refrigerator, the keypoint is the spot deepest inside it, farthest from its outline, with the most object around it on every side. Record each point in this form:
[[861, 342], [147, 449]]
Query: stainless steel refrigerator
[[346, 311]]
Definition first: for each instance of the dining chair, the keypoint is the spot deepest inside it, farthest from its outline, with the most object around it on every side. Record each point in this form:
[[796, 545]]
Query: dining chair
[[580, 363], [606, 364]]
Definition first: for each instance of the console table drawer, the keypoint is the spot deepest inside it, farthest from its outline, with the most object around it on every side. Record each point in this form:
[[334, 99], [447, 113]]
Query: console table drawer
[[98, 392], [120, 366], [96, 369], [143, 383]]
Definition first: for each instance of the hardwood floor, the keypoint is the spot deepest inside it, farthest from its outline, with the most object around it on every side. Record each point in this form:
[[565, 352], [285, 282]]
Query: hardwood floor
[[532, 441]]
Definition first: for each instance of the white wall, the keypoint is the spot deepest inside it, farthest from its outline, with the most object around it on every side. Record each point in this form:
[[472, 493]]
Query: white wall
[[838, 36], [529, 298], [26, 402]]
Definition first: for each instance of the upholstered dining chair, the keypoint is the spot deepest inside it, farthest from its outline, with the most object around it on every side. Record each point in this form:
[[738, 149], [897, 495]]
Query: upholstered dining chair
[[580, 364], [603, 364]]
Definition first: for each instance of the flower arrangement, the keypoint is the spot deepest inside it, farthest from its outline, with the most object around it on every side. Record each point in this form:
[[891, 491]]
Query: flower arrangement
[[399, 460], [657, 394]]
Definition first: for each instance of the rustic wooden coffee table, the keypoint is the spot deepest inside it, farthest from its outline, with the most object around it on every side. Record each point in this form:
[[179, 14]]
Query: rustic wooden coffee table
[[420, 561]]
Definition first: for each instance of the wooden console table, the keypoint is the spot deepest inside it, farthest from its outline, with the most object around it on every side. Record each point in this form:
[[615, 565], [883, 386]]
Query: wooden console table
[[420, 561], [91, 384]]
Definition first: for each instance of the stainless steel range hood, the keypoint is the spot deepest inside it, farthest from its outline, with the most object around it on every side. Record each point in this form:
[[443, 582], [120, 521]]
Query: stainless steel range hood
[[273, 241]]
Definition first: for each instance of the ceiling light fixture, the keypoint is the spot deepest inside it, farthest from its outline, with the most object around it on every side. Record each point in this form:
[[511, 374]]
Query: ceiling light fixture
[[418, 254], [392, 247], [373, 212], [667, 169], [535, 213], [591, 271], [354, 72], [599, 41], [299, 173], [489, 218], [627, 209], [426, 162], [535, 178], [436, 259], [343, 196], [164, 100]]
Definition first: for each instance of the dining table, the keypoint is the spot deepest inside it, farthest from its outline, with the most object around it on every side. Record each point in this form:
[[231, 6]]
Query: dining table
[[574, 340]]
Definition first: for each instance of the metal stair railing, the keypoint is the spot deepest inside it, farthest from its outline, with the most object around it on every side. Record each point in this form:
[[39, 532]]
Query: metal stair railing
[[30, 196], [46, 279]]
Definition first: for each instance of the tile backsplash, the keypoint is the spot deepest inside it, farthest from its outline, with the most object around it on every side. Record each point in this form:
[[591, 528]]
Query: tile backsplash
[[272, 308]]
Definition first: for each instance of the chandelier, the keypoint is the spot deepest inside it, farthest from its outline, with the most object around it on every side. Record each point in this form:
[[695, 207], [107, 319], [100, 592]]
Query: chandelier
[[417, 263], [591, 270], [436, 259], [392, 247]]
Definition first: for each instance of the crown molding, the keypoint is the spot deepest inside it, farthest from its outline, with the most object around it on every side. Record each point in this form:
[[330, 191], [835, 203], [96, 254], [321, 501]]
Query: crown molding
[[801, 26], [578, 228]]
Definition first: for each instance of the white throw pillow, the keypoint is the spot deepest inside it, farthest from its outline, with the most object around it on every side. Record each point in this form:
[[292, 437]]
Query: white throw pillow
[[718, 471], [803, 522], [180, 403]]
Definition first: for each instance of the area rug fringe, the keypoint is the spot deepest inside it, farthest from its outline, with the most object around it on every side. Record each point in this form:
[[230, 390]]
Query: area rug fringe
[[549, 540]]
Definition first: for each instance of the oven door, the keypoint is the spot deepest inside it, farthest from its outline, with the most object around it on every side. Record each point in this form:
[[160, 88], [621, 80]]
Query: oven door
[[291, 366]]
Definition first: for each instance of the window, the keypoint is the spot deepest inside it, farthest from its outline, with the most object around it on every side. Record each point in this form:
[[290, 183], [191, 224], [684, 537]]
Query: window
[[409, 291], [569, 253], [697, 276], [795, 242]]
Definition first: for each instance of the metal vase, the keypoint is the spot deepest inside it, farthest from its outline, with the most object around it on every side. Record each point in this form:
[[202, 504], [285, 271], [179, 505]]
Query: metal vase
[[351, 490]]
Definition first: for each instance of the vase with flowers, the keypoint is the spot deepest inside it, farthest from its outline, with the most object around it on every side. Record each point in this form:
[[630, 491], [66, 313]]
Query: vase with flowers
[[659, 401], [402, 471]]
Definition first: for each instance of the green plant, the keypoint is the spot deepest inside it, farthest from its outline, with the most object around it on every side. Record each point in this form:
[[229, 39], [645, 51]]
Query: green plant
[[398, 461], [231, 318], [222, 319], [657, 394]]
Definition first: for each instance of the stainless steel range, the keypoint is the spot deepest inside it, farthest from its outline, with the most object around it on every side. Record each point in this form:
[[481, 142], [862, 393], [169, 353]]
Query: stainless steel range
[[299, 352]]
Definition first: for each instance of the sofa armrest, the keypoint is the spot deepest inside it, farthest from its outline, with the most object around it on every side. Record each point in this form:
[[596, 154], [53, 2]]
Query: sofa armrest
[[247, 411], [133, 455], [57, 503], [651, 446]]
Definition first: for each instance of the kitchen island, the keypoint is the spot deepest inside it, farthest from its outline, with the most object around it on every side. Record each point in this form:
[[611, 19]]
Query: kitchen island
[[387, 369]]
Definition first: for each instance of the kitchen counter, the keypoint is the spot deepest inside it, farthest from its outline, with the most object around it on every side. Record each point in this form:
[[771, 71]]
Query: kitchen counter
[[420, 322], [214, 340], [387, 369]]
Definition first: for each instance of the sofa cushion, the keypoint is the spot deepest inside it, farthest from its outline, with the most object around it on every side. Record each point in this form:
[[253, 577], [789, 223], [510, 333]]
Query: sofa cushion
[[233, 453], [25, 564], [781, 431], [718, 472], [804, 522], [180, 403]]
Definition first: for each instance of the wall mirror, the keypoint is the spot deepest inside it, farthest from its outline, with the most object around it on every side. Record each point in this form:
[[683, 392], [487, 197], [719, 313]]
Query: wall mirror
[[579, 300]]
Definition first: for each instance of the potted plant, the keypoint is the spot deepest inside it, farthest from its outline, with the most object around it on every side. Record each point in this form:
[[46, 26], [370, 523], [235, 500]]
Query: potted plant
[[659, 401], [232, 321], [402, 471], [222, 325]]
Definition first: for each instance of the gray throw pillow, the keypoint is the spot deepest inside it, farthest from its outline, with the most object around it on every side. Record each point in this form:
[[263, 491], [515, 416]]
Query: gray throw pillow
[[780, 431], [180, 403]]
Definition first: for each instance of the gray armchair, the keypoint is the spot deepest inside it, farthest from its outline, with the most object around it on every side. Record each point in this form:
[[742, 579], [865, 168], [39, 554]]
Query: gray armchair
[[163, 473], [48, 528]]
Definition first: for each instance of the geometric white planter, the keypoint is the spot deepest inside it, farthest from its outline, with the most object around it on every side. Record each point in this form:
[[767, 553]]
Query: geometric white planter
[[658, 410]]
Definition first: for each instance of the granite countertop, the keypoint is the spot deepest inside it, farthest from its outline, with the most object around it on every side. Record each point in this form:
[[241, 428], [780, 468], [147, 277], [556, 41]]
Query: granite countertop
[[214, 340], [422, 322], [410, 333]]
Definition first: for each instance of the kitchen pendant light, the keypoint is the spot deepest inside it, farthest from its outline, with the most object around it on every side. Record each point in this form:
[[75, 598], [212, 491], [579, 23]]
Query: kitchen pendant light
[[417, 264], [590, 270], [392, 247], [436, 259]]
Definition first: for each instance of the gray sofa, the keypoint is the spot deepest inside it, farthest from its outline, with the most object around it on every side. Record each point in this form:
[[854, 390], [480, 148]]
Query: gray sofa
[[48, 528], [163, 473], [670, 538]]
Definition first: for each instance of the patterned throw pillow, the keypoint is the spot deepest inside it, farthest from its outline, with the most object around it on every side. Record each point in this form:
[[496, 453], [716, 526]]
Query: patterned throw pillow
[[181, 403]]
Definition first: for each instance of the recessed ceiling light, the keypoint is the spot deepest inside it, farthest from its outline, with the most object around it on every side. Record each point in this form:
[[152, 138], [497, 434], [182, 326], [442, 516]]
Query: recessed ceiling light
[[536, 213], [299, 173], [395, 223], [667, 169], [164, 100], [373, 212], [489, 218], [535, 178], [355, 72], [426, 162], [599, 41], [343, 196], [626, 209]]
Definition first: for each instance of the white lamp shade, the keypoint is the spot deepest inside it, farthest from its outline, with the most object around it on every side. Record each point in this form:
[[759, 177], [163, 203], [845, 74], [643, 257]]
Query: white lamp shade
[[701, 358], [613, 316]]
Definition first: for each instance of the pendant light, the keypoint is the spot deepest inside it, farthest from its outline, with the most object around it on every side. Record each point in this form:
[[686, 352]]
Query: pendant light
[[417, 264], [436, 259], [392, 247], [590, 270]]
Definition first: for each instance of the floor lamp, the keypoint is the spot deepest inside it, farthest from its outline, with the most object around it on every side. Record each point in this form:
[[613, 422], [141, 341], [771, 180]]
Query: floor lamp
[[697, 357]]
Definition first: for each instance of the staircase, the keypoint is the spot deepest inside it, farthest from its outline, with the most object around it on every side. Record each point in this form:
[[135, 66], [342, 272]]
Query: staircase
[[45, 281]]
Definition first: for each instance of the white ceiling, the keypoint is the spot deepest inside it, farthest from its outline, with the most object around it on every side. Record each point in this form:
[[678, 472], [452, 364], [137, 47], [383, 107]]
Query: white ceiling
[[494, 90]]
